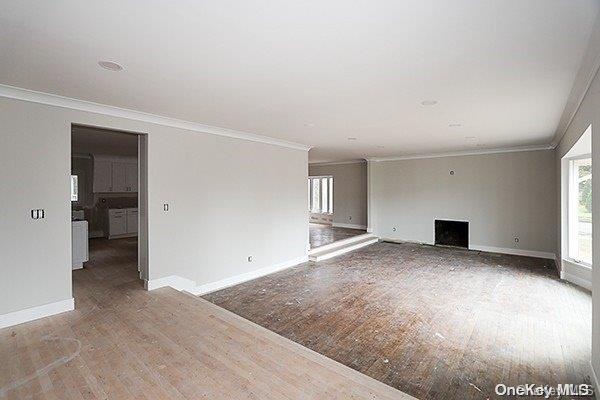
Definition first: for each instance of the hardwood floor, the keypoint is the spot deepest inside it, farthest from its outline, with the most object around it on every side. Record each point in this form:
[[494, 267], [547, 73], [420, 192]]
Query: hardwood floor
[[436, 323], [123, 342], [320, 235]]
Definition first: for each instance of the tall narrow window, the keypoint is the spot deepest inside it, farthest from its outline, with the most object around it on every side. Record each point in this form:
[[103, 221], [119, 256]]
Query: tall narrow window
[[74, 188], [320, 195], [324, 196], [330, 180], [580, 210], [316, 196]]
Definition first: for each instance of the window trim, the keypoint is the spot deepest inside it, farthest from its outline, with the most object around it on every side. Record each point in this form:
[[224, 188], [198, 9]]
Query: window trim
[[329, 185], [572, 204]]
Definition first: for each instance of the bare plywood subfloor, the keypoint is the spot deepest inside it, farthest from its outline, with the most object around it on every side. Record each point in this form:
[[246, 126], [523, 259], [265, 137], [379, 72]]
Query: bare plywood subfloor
[[437, 323], [123, 342]]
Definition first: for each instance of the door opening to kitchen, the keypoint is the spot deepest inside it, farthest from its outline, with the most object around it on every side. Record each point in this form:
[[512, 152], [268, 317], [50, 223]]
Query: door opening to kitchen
[[107, 198]]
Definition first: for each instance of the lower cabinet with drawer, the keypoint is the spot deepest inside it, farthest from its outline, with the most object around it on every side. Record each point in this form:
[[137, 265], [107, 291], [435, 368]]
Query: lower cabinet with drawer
[[122, 222]]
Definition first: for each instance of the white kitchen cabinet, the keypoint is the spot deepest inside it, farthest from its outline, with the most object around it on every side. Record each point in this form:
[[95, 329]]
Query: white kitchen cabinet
[[115, 175], [117, 222], [122, 222], [131, 177], [119, 177], [102, 176], [132, 220], [79, 243]]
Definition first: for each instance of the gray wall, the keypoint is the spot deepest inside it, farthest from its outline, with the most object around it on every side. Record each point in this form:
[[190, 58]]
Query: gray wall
[[349, 191], [501, 195], [229, 198], [588, 114]]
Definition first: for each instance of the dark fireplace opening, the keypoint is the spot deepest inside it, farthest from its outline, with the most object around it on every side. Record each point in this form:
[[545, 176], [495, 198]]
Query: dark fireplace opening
[[452, 233]]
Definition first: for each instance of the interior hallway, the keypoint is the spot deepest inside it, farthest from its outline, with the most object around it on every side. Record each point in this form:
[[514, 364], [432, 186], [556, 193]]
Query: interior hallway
[[123, 342], [321, 235], [436, 323]]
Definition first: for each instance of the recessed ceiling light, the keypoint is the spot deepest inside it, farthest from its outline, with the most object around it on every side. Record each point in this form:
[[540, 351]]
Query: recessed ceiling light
[[110, 65], [429, 102], [454, 125], [351, 138]]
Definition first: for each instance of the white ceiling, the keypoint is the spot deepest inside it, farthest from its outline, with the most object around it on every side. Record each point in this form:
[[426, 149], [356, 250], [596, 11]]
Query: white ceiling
[[90, 140], [315, 72]]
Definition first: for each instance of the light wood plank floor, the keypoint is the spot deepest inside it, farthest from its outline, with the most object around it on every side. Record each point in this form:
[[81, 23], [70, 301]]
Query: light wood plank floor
[[320, 235], [436, 323], [123, 342]]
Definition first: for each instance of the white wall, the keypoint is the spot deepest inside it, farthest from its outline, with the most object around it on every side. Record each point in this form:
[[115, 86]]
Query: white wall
[[229, 198], [349, 191], [587, 114], [501, 195]]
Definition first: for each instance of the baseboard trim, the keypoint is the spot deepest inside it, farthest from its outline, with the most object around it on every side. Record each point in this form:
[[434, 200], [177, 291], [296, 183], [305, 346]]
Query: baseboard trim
[[489, 249], [584, 283], [515, 252], [595, 380], [37, 312], [174, 281], [248, 276], [188, 285], [351, 226]]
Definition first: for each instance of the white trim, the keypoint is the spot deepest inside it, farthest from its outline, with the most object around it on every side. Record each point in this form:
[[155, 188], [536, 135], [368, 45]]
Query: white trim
[[576, 280], [188, 285], [340, 243], [401, 241], [590, 64], [174, 281], [351, 226], [515, 252], [37, 312], [248, 276], [595, 380], [319, 164], [326, 255], [17, 93], [575, 272], [463, 153], [489, 249], [558, 263]]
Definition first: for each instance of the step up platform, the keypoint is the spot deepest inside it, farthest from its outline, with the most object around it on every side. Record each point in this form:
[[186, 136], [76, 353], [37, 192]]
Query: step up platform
[[341, 247]]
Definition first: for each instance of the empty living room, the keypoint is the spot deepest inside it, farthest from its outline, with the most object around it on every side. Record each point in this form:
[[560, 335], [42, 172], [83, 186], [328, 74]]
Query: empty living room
[[299, 200]]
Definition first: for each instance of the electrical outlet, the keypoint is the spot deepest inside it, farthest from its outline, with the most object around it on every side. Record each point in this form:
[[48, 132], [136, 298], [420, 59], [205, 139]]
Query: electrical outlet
[[516, 239], [38, 213], [350, 218], [249, 258], [394, 229], [166, 207]]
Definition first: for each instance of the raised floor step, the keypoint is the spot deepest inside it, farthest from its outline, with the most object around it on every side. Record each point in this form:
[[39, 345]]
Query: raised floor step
[[341, 247]]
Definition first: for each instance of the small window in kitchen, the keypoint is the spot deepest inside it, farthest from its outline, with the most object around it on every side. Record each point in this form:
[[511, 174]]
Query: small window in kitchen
[[74, 188]]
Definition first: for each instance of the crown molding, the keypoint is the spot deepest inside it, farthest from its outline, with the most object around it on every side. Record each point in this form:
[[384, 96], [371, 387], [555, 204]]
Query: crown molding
[[17, 93], [590, 64], [463, 153], [318, 164]]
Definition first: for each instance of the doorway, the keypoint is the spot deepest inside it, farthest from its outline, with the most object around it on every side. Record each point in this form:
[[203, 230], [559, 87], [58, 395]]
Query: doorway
[[108, 203]]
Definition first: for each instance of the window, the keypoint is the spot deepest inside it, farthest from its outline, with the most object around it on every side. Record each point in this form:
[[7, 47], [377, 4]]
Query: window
[[320, 196], [74, 188], [580, 210]]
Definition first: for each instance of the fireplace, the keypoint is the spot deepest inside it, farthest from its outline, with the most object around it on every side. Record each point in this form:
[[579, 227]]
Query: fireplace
[[452, 233]]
